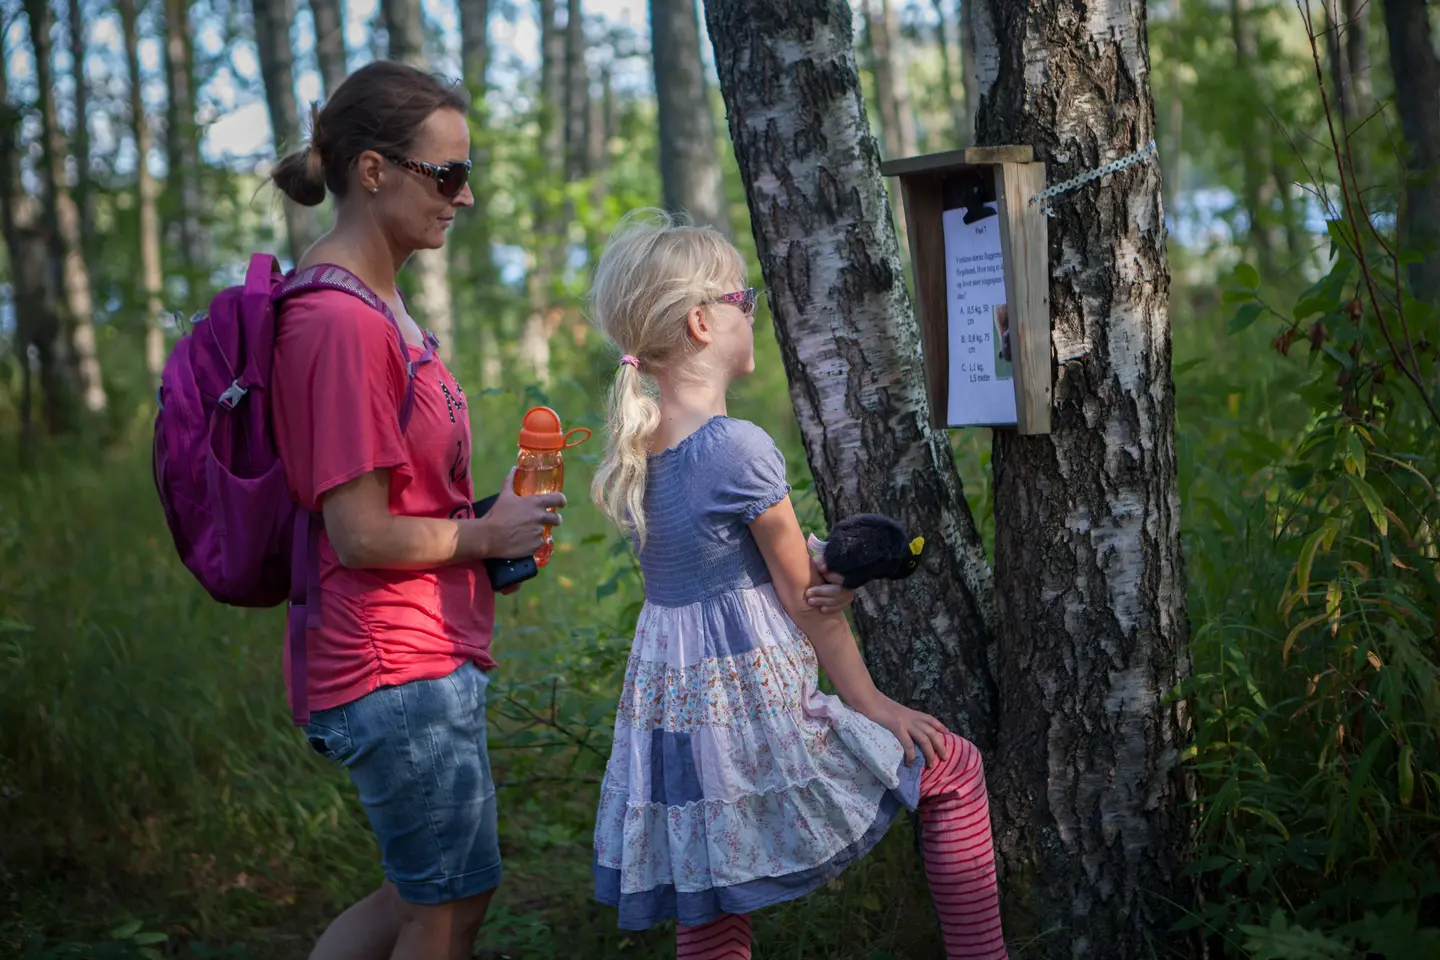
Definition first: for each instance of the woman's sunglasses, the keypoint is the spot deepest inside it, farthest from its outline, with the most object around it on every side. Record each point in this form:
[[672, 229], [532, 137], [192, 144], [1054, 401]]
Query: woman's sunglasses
[[450, 178], [744, 299]]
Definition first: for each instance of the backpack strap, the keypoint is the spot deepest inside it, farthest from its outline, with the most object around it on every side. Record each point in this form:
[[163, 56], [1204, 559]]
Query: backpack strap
[[330, 276], [304, 613]]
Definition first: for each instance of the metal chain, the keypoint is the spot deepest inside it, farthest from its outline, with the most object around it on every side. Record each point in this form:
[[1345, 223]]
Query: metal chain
[[1065, 186]]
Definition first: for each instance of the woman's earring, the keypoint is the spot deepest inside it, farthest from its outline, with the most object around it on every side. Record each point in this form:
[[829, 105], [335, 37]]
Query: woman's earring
[[374, 189]]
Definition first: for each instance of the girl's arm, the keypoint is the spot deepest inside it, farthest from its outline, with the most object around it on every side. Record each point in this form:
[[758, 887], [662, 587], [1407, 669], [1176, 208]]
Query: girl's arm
[[365, 534], [777, 532]]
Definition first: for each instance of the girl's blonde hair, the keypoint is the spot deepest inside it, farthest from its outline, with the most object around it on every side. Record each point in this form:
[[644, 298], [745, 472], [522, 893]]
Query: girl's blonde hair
[[655, 270]]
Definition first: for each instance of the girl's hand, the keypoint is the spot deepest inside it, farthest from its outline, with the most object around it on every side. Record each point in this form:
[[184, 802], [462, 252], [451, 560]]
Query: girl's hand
[[913, 729], [830, 597]]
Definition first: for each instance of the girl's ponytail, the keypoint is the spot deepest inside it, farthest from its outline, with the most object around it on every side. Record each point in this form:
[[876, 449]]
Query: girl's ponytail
[[655, 269], [619, 487]]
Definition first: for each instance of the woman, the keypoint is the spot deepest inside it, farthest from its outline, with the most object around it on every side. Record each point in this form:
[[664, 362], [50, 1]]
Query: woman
[[396, 670]]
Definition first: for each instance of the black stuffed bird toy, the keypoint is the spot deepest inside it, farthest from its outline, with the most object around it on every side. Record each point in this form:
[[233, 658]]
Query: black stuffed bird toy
[[868, 547]]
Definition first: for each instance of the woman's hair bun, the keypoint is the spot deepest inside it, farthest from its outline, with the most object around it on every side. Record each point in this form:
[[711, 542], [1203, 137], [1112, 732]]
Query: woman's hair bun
[[301, 177]]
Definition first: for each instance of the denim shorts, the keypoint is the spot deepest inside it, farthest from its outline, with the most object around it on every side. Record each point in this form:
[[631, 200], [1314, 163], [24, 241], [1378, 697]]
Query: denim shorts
[[417, 754]]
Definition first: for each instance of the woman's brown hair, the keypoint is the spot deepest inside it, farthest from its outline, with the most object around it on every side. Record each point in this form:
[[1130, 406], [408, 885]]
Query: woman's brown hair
[[379, 107]]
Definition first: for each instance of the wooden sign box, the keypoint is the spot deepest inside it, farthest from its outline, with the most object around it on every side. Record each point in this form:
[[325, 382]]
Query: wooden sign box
[[964, 180]]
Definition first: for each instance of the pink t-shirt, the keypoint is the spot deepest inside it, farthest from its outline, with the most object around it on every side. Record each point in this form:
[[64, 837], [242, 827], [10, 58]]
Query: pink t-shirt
[[337, 384]]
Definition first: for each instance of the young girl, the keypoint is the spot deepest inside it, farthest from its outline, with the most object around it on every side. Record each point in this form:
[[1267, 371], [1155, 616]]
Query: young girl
[[734, 783]]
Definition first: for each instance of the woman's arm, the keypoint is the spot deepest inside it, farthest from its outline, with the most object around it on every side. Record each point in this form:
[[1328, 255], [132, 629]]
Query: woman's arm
[[365, 534], [777, 532]]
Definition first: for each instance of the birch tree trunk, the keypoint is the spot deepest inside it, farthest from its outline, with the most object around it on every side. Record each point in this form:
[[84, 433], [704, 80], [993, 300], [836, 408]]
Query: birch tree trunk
[[151, 270], [1087, 780], [330, 43], [1417, 91], [277, 60], [80, 139], [850, 343], [183, 139], [689, 151], [64, 218], [430, 268]]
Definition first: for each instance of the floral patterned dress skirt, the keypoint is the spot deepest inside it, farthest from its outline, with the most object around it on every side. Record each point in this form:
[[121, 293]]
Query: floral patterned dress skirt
[[734, 783]]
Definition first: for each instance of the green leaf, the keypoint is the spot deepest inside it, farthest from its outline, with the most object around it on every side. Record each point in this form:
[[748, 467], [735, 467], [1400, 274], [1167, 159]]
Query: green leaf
[[1309, 306], [1341, 358], [1354, 455], [126, 931], [1307, 557], [148, 939], [1237, 296], [1405, 774], [1246, 316], [1372, 504], [1246, 276]]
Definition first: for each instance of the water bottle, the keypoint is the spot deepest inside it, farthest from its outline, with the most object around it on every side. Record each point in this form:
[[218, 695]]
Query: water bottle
[[540, 467]]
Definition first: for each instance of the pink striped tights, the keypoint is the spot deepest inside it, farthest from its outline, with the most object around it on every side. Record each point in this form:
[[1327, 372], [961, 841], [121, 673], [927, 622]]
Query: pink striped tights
[[959, 864]]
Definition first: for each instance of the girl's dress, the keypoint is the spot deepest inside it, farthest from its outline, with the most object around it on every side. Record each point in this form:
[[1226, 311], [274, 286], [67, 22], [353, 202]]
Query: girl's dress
[[733, 782]]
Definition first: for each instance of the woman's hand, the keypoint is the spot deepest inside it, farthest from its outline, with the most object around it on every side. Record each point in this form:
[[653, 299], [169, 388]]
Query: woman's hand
[[515, 526], [912, 728], [831, 596]]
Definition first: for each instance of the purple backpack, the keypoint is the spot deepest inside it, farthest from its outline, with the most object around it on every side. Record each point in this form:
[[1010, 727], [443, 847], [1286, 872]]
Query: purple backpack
[[217, 471]]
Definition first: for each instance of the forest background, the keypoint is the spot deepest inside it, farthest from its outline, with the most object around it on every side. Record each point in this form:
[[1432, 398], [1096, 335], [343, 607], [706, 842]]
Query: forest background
[[156, 800]]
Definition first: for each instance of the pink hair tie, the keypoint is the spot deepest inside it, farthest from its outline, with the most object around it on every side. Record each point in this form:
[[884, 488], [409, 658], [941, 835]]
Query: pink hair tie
[[629, 361]]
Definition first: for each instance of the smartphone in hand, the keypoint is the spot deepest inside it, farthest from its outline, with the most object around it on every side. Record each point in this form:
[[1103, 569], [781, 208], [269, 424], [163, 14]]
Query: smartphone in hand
[[504, 573]]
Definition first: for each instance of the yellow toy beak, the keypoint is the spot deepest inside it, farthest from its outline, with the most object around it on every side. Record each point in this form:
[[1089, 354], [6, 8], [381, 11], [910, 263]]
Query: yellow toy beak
[[917, 545]]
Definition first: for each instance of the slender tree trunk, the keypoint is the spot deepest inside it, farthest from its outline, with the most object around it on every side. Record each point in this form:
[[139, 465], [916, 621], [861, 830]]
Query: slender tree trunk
[[1172, 155], [405, 30], [577, 92], [151, 272], [1417, 93], [979, 55], [1259, 188], [330, 42], [430, 268], [37, 324], [80, 140], [64, 218], [892, 92], [897, 122], [549, 253], [277, 59], [1092, 829], [850, 342], [183, 140], [475, 62], [689, 148], [950, 71]]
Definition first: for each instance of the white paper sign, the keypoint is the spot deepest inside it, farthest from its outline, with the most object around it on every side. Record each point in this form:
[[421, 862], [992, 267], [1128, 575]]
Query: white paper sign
[[982, 387]]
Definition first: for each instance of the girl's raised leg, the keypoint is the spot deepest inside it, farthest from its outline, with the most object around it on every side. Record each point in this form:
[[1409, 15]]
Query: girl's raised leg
[[959, 853]]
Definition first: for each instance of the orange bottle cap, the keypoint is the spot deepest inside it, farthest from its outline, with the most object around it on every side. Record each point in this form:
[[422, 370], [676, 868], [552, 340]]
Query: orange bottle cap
[[541, 430]]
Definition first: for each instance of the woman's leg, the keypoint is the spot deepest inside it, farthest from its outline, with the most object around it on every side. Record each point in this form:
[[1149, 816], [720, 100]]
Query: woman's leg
[[417, 754], [444, 931], [367, 931], [725, 939], [960, 855]]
